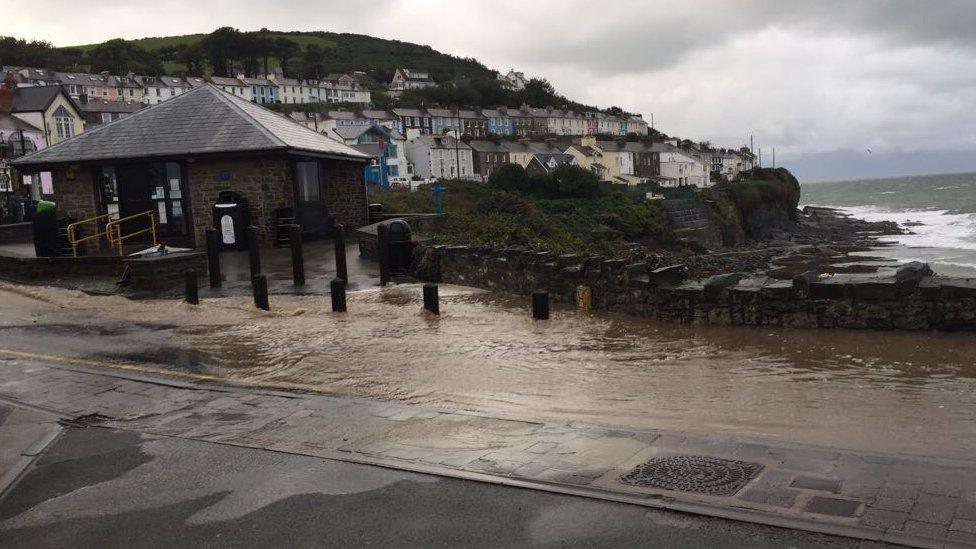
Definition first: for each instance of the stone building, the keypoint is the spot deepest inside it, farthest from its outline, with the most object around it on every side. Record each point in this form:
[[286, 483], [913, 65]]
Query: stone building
[[174, 158]]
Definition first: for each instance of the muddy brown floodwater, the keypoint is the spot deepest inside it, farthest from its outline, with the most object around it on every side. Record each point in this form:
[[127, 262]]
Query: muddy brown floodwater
[[881, 391], [872, 391]]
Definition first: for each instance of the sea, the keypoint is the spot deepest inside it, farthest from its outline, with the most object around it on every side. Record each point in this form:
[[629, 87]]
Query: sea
[[938, 210]]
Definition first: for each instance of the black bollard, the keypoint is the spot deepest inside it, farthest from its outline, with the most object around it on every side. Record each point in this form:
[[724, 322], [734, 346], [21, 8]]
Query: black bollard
[[253, 252], [213, 257], [192, 289], [260, 286], [383, 252], [340, 252], [297, 259], [338, 290], [431, 301], [540, 305]]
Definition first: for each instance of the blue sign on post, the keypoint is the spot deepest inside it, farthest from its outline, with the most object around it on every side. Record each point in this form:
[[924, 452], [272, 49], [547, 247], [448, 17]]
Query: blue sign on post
[[438, 189]]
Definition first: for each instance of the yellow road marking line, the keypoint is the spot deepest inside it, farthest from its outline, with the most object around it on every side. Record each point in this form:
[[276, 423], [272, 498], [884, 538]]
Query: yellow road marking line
[[174, 373]]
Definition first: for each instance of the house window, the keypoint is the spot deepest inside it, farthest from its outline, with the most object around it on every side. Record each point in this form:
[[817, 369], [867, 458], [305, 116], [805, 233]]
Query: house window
[[64, 123]]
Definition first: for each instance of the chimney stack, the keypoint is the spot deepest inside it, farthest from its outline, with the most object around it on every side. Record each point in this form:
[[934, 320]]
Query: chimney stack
[[7, 92]]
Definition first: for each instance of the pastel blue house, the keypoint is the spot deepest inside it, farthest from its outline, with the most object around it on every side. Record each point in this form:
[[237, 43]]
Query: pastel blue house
[[499, 122], [443, 121], [263, 90]]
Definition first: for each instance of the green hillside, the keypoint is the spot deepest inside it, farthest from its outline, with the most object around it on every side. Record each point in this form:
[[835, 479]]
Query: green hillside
[[308, 55], [340, 52]]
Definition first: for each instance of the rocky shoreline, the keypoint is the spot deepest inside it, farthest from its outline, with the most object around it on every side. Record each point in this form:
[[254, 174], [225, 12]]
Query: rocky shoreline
[[822, 240]]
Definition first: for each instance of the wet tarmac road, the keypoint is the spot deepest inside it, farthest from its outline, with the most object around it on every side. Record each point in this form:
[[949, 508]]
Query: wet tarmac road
[[102, 488]]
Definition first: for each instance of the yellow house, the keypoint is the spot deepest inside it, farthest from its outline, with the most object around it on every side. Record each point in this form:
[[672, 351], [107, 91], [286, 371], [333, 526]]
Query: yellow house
[[609, 160], [46, 107]]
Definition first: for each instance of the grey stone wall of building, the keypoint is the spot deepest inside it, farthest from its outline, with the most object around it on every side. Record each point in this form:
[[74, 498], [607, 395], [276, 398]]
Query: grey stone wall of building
[[265, 181], [909, 299]]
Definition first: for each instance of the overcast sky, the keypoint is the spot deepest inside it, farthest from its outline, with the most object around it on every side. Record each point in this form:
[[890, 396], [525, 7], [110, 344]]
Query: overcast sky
[[842, 90]]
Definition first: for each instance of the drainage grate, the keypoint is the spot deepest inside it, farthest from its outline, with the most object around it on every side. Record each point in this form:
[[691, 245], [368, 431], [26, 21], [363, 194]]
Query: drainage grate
[[704, 475]]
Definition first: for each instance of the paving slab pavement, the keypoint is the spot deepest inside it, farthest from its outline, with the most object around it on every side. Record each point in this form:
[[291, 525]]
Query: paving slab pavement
[[24, 433], [912, 500]]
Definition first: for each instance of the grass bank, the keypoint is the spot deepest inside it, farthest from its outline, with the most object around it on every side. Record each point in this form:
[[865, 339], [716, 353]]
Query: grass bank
[[607, 223]]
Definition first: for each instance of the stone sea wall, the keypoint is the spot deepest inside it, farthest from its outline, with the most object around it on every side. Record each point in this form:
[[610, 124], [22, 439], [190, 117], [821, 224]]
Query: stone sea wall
[[910, 298]]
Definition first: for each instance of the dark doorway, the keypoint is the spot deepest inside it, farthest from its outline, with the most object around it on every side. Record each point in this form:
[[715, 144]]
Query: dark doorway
[[311, 211], [135, 188]]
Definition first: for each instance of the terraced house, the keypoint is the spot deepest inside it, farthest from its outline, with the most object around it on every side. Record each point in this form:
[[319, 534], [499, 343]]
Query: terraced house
[[233, 86], [263, 91]]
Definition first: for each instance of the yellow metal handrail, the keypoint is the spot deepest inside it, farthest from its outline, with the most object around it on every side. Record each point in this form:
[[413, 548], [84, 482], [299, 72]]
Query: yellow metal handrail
[[73, 236], [114, 229]]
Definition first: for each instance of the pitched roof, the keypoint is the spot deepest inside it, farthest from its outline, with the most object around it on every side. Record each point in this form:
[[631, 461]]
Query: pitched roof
[[111, 106], [204, 120], [34, 98], [487, 146], [409, 112], [377, 114], [10, 123], [225, 81], [353, 132], [172, 81], [441, 142], [558, 159]]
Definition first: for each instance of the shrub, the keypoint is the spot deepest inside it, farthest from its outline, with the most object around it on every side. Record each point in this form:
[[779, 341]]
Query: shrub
[[509, 177], [573, 181]]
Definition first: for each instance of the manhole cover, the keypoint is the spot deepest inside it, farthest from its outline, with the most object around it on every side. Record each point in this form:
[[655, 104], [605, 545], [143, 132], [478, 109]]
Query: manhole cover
[[704, 475]]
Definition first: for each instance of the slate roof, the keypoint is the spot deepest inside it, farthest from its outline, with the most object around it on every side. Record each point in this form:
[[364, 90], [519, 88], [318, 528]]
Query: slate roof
[[378, 115], [205, 120], [34, 98], [226, 81], [111, 106], [353, 132], [409, 112], [560, 159], [172, 81], [487, 146], [441, 142]]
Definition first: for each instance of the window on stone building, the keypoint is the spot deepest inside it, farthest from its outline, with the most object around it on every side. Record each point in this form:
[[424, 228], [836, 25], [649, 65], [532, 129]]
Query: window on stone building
[[307, 177]]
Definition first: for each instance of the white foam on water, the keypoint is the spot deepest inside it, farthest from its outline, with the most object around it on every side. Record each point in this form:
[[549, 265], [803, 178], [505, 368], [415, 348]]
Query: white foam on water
[[937, 236], [938, 228]]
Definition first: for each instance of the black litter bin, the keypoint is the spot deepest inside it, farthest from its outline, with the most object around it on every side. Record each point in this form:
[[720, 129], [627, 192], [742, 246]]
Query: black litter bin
[[231, 217], [45, 228], [400, 242]]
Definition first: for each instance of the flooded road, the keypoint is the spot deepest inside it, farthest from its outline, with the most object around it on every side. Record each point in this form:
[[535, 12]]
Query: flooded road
[[872, 391]]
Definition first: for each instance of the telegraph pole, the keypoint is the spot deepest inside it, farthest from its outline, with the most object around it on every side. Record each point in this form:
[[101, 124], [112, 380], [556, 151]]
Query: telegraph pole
[[457, 143]]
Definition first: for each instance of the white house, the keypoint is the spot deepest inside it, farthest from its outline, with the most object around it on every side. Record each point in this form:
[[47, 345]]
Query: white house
[[440, 157], [233, 86], [291, 90], [409, 79], [681, 168], [161, 88], [514, 80]]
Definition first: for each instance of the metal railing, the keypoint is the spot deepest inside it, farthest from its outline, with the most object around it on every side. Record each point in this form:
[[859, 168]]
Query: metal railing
[[73, 231], [114, 230]]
